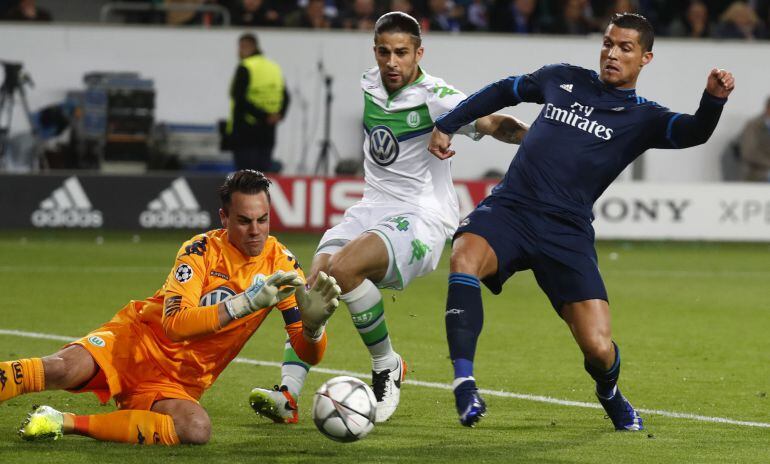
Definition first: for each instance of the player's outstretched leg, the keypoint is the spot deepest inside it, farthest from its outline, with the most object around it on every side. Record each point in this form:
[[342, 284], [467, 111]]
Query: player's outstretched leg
[[589, 322], [388, 368], [20, 377], [464, 319], [130, 426], [280, 403], [619, 410]]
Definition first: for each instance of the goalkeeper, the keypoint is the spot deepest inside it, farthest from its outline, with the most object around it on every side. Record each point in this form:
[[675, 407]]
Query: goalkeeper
[[157, 356]]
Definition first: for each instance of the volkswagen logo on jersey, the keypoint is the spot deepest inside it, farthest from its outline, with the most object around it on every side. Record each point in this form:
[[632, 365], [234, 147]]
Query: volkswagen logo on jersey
[[383, 145], [217, 295]]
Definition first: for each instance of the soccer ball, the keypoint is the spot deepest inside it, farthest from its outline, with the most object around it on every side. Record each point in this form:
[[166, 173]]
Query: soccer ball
[[344, 409]]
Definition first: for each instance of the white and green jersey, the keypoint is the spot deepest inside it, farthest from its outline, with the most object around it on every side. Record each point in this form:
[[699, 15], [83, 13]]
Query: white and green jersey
[[397, 164]]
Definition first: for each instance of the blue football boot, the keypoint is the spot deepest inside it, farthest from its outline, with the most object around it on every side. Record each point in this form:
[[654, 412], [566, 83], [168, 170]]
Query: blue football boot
[[470, 405], [620, 411]]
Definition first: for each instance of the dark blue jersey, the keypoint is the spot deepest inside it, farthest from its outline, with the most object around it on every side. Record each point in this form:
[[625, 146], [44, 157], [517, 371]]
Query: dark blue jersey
[[585, 135]]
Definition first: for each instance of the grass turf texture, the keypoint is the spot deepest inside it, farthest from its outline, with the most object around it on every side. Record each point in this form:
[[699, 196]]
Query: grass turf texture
[[691, 320]]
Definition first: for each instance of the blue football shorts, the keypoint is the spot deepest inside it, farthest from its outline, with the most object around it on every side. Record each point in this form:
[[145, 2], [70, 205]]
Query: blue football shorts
[[558, 249]]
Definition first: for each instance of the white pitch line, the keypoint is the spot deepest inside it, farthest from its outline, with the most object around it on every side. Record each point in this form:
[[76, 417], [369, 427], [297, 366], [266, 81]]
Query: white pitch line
[[443, 386]]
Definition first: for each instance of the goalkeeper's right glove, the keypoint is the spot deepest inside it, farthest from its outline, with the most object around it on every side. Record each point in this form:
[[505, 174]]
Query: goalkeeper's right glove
[[263, 293], [318, 304]]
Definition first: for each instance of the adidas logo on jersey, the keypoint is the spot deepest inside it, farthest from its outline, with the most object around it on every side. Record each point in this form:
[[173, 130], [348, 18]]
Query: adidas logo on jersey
[[175, 207], [67, 206], [567, 87]]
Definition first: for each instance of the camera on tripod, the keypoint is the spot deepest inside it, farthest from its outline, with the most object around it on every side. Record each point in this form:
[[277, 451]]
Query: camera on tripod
[[14, 77], [13, 86]]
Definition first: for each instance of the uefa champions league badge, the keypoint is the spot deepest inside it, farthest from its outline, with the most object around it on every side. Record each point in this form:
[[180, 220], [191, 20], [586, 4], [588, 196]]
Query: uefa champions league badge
[[96, 341], [183, 273]]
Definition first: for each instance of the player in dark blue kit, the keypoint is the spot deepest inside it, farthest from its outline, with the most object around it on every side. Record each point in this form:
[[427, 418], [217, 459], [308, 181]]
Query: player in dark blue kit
[[539, 217]]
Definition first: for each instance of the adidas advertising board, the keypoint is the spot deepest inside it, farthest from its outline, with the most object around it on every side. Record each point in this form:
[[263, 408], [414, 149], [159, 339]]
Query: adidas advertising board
[[629, 210], [175, 207], [67, 206], [109, 202]]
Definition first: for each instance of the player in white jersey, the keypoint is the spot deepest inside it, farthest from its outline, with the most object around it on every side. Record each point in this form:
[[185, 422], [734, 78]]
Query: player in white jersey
[[409, 208]]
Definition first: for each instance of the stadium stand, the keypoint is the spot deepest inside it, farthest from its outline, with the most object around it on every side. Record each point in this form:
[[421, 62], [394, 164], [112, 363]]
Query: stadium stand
[[680, 18]]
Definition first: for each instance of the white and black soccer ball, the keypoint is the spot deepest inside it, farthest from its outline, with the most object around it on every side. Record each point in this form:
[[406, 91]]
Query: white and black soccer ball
[[344, 409]]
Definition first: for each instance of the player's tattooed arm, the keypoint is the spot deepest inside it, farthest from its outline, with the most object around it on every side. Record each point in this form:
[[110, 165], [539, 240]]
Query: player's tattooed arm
[[502, 127]]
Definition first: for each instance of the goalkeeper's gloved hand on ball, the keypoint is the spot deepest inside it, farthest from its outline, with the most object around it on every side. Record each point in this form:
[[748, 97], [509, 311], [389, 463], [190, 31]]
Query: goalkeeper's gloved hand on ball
[[264, 293], [318, 304]]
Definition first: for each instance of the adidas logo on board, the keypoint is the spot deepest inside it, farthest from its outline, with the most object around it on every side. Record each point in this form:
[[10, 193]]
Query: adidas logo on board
[[175, 207], [67, 206]]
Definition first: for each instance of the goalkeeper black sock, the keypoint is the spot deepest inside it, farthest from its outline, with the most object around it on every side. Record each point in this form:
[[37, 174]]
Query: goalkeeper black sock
[[606, 380], [464, 319], [19, 377]]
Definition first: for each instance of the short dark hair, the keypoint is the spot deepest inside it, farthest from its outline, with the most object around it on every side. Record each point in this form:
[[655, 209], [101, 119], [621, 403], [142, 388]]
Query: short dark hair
[[638, 23], [397, 21], [243, 181], [252, 39]]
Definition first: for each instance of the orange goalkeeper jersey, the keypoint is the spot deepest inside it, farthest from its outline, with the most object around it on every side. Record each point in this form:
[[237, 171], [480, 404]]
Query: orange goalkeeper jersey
[[209, 269]]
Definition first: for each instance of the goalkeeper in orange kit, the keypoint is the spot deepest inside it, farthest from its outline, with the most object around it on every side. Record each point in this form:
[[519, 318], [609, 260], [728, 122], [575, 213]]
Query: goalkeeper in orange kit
[[157, 356]]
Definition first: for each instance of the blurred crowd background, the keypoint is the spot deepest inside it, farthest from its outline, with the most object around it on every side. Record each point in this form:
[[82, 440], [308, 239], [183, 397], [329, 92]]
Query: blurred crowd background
[[746, 20], [122, 112]]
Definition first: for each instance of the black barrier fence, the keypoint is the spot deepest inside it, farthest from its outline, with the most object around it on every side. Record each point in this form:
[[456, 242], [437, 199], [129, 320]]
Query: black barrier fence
[[111, 202]]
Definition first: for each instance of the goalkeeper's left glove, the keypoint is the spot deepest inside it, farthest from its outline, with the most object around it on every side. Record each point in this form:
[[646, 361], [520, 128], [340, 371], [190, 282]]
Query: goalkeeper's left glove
[[318, 304], [263, 293]]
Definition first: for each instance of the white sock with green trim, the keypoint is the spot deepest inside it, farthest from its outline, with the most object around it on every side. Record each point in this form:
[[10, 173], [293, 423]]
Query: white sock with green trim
[[368, 314], [293, 371]]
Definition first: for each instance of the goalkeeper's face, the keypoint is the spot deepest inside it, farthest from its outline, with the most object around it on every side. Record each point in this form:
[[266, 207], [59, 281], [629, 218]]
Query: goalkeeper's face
[[397, 57], [247, 221]]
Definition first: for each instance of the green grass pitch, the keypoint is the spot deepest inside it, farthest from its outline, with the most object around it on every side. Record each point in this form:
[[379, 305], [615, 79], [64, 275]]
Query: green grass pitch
[[692, 321]]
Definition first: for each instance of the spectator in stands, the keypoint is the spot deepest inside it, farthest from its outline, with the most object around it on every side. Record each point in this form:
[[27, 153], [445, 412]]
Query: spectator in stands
[[361, 16], [755, 147], [618, 6], [312, 16], [694, 23], [442, 16], [477, 14], [27, 10], [574, 18], [259, 101], [405, 6], [740, 21], [198, 12], [517, 16], [255, 13]]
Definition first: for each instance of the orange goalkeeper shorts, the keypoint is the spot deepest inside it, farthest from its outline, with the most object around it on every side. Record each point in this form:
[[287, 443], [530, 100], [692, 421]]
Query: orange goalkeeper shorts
[[125, 370]]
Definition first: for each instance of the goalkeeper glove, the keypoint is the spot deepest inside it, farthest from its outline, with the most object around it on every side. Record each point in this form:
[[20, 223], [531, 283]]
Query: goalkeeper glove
[[318, 304], [263, 293]]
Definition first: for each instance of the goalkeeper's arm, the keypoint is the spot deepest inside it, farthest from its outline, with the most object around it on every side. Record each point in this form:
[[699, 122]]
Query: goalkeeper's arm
[[181, 324], [307, 333]]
